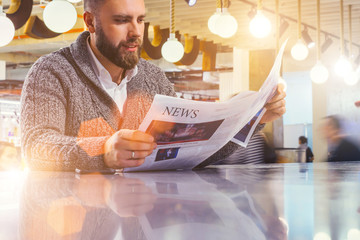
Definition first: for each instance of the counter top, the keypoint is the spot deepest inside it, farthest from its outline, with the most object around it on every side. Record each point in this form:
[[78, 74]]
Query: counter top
[[276, 201]]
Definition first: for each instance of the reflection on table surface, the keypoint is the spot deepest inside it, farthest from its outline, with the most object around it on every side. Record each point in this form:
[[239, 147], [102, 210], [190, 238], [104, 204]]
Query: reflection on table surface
[[281, 201]]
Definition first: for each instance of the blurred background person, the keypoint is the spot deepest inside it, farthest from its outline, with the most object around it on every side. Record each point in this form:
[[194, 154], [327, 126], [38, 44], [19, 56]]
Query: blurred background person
[[341, 147], [303, 144]]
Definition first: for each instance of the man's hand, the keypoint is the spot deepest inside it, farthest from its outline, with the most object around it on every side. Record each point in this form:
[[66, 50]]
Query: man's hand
[[129, 197], [275, 107], [128, 148]]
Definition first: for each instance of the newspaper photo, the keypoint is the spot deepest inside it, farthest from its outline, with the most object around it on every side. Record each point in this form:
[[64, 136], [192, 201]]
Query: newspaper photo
[[187, 132]]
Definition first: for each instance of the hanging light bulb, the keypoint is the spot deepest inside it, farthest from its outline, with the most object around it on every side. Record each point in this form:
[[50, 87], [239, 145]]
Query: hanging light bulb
[[299, 51], [60, 16], [351, 78], [172, 50], [319, 73], [226, 25], [212, 20], [7, 29], [260, 25], [343, 67]]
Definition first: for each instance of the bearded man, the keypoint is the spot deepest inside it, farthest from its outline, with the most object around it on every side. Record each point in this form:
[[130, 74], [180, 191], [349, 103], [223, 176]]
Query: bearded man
[[81, 106]]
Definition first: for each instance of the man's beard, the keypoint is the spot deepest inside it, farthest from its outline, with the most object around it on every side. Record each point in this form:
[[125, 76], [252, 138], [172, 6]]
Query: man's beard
[[125, 60]]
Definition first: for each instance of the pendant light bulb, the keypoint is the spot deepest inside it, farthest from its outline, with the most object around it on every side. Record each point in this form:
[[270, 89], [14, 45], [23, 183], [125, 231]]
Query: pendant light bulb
[[299, 51], [172, 50], [226, 25], [343, 67], [260, 25], [60, 16], [7, 29]]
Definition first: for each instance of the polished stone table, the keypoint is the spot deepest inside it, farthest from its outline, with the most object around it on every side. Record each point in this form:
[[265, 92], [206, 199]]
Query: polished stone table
[[318, 201]]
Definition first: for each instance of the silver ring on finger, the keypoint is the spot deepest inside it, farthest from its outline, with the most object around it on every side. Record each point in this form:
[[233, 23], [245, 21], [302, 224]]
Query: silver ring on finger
[[132, 154]]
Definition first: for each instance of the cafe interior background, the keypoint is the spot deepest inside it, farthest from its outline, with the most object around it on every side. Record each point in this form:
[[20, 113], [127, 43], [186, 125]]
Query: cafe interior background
[[215, 49]]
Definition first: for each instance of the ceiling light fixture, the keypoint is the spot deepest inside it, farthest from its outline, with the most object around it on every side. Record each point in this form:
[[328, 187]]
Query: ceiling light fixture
[[299, 51], [190, 2], [226, 25], [7, 28], [343, 66], [319, 73], [172, 50], [328, 41], [59, 16], [260, 25], [305, 35], [352, 78]]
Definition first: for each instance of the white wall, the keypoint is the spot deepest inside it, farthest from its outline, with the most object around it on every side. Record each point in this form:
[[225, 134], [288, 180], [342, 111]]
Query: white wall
[[298, 99], [298, 116]]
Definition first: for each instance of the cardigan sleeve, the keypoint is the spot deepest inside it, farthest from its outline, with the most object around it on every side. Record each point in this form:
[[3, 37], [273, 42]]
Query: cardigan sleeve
[[44, 142]]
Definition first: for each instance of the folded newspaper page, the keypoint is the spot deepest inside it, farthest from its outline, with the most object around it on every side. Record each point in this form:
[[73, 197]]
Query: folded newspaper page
[[187, 132]]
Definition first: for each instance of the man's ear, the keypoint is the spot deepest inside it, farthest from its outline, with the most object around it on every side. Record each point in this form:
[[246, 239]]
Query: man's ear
[[89, 21]]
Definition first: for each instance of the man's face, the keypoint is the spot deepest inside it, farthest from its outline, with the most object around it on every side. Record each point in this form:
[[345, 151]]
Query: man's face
[[119, 30], [327, 130]]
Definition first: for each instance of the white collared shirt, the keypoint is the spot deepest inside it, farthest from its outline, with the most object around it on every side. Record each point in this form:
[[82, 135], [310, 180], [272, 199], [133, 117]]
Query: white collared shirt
[[117, 92]]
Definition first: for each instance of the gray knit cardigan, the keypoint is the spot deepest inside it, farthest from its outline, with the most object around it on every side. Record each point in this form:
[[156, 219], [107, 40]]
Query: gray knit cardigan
[[66, 115]]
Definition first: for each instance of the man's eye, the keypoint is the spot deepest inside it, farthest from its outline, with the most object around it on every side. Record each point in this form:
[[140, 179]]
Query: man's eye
[[141, 20], [121, 20]]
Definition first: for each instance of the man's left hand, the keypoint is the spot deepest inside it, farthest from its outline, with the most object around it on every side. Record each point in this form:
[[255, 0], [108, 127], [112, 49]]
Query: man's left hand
[[275, 107]]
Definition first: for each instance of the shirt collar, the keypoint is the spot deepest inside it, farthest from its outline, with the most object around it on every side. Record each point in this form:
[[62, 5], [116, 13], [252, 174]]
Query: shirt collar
[[102, 74]]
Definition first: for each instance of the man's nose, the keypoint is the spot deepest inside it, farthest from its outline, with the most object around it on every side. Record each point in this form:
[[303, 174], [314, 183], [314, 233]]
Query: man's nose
[[135, 29]]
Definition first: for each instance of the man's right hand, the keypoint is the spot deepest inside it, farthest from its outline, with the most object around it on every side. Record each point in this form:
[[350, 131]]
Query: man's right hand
[[128, 148]]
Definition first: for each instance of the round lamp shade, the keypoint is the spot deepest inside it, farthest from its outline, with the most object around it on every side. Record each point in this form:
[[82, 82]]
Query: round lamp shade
[[7, 30], [299, 51], [260, 25], [226, 25], [319, 73], [59, 16], [212, 20], [343, 67], [172, 50]]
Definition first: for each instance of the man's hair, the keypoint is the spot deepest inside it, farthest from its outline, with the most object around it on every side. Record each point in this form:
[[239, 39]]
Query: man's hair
[[93, 5], [334, 121], [302, 139]]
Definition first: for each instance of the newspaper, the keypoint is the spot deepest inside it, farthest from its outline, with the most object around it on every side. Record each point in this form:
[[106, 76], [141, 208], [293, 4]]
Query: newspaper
[[187, 132]]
